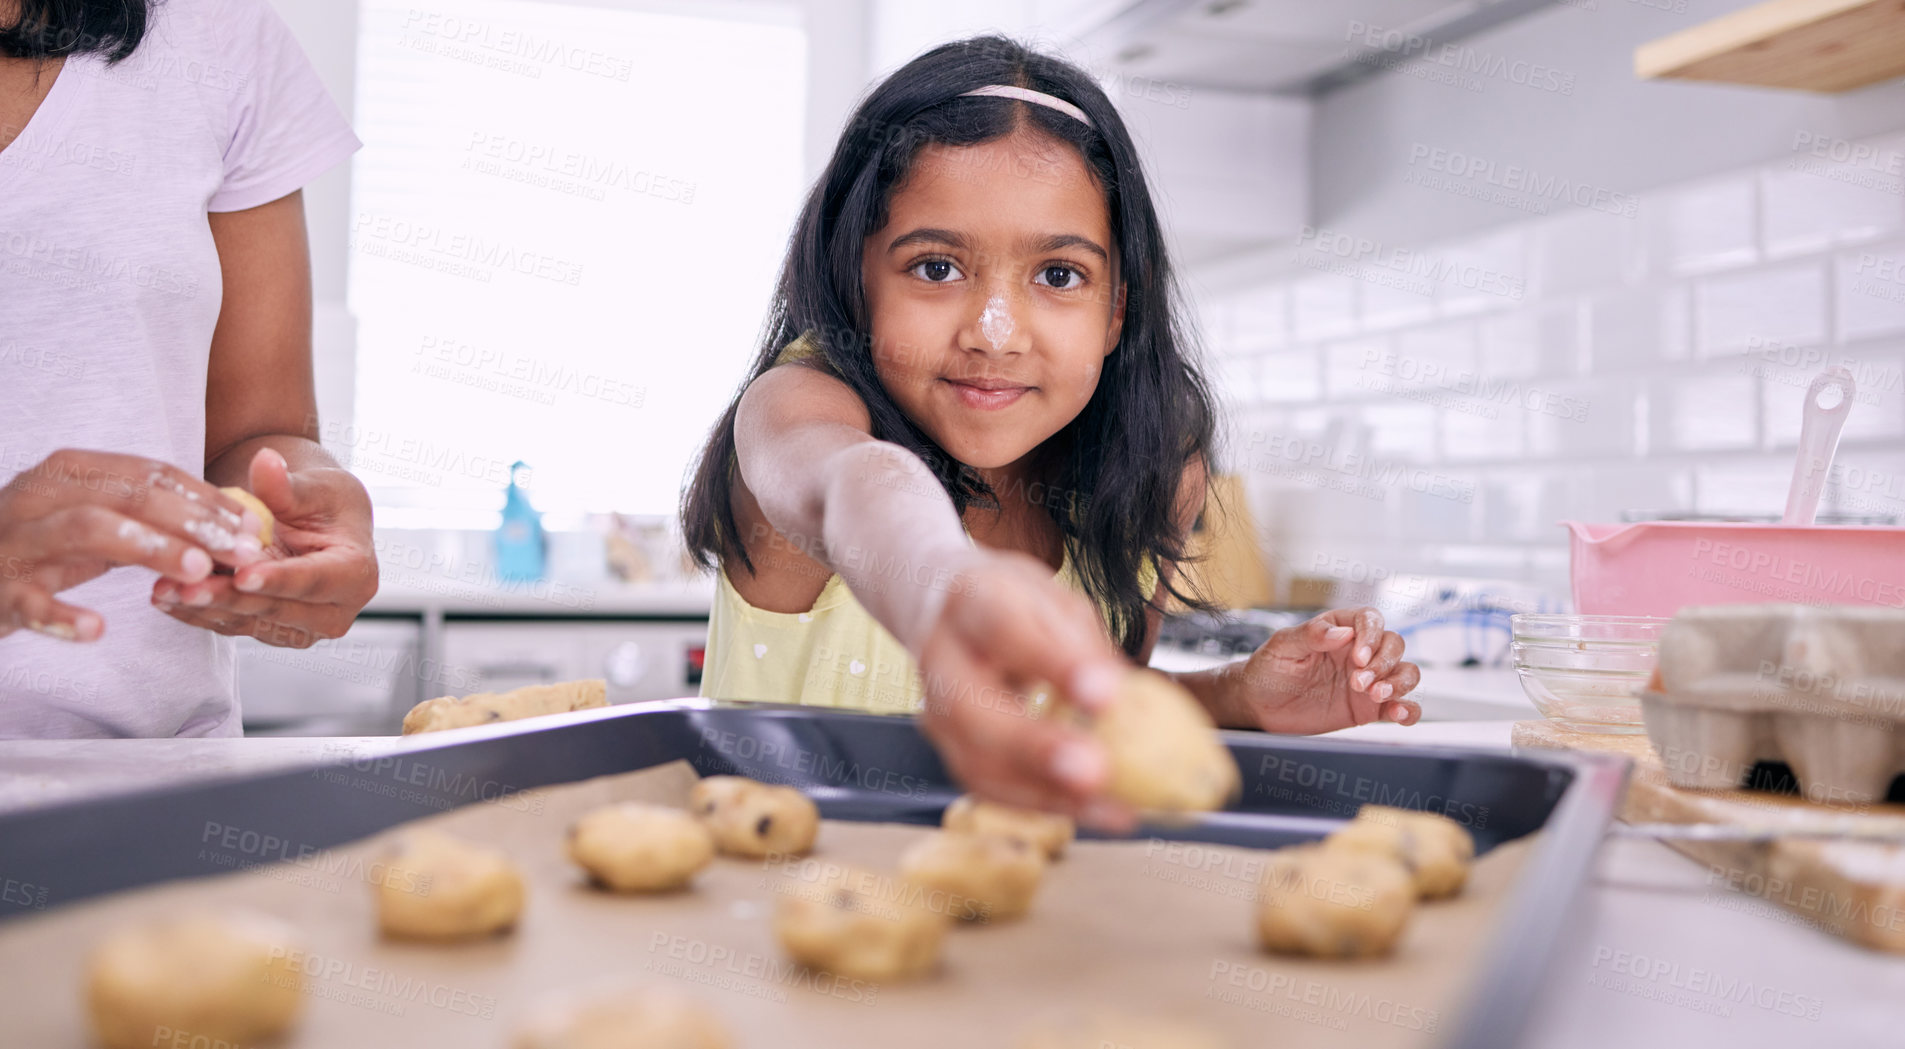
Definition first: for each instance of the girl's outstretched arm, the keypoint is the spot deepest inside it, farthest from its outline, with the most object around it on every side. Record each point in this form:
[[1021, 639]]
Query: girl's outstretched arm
[[986, 626]]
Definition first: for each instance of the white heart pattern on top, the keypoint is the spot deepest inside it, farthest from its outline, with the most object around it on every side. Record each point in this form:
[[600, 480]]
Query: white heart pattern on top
[[856, 668], [760, 650]]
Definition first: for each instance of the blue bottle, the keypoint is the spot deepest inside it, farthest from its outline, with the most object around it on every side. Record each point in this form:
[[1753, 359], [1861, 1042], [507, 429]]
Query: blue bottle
[[521, 546]]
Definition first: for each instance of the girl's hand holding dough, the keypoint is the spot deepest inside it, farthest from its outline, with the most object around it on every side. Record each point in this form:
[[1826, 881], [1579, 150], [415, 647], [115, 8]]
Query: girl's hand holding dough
[[1006, 628], [1165, 753]]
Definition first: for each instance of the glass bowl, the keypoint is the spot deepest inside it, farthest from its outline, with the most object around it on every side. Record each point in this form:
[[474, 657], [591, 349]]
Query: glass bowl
[[1586, 672]]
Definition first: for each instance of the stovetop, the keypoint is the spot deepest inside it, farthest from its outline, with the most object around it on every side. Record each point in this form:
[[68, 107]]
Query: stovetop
[[1229, 634]]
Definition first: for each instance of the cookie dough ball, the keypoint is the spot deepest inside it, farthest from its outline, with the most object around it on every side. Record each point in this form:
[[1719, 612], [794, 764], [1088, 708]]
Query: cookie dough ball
[[1434, 849], [623, 1017], [229, 978], [754, 819], [483, 708], [436, 887], [1165, 752], [267, 523], [861, 925], [993, 878], [1333, 903], [634, 847], [1101, 1030], [1048, 831]]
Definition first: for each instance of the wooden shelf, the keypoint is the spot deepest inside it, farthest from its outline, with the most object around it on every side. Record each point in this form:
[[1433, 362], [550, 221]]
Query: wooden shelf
[[1803, 45]]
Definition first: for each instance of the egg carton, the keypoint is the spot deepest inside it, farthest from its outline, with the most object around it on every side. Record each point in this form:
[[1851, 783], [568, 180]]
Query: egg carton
[[1820, 688]]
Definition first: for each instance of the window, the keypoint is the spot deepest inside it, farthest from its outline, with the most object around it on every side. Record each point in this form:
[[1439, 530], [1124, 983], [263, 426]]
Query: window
[[565, 228]]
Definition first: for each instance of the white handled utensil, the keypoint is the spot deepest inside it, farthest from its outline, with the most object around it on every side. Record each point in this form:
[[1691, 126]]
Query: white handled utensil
[[1828, 402], [1891, 834]]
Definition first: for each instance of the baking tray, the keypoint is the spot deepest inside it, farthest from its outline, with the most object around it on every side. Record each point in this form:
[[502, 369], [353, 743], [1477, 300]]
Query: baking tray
[[856, 767]]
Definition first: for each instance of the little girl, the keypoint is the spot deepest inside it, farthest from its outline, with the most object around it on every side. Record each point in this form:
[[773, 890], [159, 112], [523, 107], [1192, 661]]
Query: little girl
[[968, 455]]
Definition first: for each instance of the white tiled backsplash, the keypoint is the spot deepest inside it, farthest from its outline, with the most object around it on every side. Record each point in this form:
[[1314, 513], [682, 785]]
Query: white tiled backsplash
[[1438, 409]]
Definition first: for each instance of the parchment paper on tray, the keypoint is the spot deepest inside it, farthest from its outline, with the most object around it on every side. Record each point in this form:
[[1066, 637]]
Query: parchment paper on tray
[[1141, 927]]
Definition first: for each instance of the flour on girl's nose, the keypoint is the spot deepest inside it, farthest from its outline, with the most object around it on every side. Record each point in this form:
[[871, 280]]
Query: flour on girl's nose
[[995, 322]]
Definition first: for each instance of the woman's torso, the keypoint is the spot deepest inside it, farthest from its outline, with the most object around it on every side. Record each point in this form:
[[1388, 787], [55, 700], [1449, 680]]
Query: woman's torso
[[110, 288]]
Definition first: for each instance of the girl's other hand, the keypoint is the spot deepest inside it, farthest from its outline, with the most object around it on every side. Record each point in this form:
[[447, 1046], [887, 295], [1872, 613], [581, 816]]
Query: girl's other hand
[[1339, 669], [76, 514], [1007, 627]]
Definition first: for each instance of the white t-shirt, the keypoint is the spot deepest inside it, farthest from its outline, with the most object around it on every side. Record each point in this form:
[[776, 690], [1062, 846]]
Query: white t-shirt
[[109, 289]]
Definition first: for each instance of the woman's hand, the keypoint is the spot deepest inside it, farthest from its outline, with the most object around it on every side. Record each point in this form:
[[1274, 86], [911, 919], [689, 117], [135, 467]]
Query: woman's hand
[[1006, 628], [76, 514], [326, 571], [1339, 669]]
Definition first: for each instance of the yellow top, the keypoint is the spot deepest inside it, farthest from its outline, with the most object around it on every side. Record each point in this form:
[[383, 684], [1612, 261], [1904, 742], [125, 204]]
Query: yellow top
[[835, 654]]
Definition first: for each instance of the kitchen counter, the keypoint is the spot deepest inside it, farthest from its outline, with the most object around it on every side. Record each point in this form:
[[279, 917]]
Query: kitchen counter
[[1656, 956], [1446, 693], [415, 594], [437, 572], [36, 772], [1659, 956]]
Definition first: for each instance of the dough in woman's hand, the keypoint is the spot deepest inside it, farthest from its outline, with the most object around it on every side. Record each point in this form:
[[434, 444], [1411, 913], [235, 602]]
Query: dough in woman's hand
[[229, 978], [1333, 903], [1105, 1030], [483, 708], [635, 847], [436, 887], [267, 523], [1049, 831], [750, 818], [1164, 749], [1434, 849], [859, 924], [622, 1017], [994, 878]]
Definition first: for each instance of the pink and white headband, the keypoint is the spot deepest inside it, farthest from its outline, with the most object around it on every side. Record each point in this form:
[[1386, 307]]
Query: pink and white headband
[[1037, 98]]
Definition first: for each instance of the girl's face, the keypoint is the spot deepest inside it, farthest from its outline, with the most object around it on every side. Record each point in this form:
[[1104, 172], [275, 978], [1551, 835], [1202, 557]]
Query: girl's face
[[994, 293]]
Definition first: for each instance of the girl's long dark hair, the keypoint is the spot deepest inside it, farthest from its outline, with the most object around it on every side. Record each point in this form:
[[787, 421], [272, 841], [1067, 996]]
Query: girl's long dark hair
[[1120, 463], [55, 28]]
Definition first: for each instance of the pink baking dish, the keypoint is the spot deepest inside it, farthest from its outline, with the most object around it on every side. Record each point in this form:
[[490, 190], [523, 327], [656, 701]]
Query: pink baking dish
[[1653, 568]]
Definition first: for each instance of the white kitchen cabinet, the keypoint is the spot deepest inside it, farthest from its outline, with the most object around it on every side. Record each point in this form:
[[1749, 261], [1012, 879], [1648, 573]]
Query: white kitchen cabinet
[[640, 659], [353, 685]]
